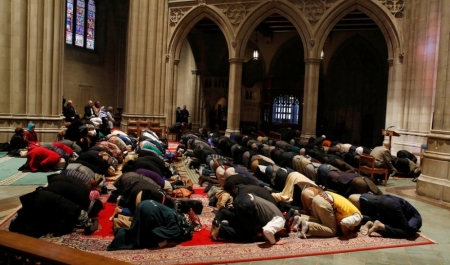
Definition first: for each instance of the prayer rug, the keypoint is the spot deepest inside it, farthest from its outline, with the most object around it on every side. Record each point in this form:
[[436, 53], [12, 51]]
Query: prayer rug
[[11, 176], [202, 250], [173, 146]]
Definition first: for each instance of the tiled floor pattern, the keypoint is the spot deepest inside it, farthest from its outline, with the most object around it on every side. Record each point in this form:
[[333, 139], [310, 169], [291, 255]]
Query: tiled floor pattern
[[436, 225]]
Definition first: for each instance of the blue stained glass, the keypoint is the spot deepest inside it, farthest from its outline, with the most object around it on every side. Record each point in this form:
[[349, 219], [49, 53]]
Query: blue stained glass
[[80, 23], [90, 30], [91, 6], [79, 31], [69, 22]]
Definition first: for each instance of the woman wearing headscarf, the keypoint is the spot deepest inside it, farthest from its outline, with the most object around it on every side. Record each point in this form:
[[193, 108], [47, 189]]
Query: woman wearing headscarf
[[31, 136], [17, 142]]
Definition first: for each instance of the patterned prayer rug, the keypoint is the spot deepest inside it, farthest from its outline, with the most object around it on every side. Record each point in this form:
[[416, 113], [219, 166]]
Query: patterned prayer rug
[[202, 250]]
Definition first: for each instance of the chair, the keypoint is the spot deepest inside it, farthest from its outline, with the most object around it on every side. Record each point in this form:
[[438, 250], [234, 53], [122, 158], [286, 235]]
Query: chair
[[420, 154], [170, 135], [117, 120], [133, 127], [275, 135], [367, 164]]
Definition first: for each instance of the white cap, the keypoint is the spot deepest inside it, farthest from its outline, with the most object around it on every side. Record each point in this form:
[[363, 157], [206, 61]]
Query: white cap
[[352, 220], [359, 150]]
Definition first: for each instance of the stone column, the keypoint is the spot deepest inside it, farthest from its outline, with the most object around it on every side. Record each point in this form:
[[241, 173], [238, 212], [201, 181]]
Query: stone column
[[33, 59], [394, 107], [146, 61], [420, 65], [435, 179], [195, 109], [310, 97], [121, 61], [234, 96]]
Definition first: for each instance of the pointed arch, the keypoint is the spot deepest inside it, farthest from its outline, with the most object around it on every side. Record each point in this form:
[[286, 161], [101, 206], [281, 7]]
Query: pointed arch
[[287, 10], [190, 20], [380, 15]]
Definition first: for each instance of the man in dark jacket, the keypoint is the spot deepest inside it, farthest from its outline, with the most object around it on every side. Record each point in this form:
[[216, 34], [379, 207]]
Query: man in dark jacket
[[388, 215]]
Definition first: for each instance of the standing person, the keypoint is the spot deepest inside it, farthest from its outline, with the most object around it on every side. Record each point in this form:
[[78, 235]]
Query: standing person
[[109, 115], [31, 136], [178, 115], [339, 129], [69, 112], [184, 113], [96, 108], [89, 111]]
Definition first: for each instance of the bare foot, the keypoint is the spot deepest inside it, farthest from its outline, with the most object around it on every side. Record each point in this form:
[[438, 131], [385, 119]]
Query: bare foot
[[304, 229], [377, 225], [116, 211], [281, 242], [365, 228], [296, 223]]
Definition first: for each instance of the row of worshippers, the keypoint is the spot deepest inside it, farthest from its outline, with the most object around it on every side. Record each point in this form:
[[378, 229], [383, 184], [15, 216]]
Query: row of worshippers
[[224, 173], [156, 203], [86, 173]]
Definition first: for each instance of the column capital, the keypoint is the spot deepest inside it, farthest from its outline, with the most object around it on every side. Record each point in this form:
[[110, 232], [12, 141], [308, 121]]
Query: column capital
[[236, 60], [194, 72], [313, 61], [176, 61]]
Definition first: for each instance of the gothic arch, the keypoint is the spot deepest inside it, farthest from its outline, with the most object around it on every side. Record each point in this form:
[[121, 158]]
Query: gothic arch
[[385, 21], [188, 22], [287, 10]]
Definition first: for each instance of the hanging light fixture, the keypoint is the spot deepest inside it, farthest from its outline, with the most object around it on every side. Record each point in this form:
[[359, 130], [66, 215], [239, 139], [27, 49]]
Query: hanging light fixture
[[322, 54], [255, 52]]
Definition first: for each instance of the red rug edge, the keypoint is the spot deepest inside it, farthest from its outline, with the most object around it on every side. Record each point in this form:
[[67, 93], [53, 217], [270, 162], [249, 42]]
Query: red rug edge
[[301, 255]]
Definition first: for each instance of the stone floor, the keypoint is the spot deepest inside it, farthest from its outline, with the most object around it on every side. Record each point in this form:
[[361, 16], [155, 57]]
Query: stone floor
[[436, 225]]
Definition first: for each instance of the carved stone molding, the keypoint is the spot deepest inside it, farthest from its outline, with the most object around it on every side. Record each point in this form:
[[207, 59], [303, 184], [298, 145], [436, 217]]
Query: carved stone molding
[[315, 61], [314, 9], [236, 60], [395, 6], [235, 13], [312, 42], [176, 14]]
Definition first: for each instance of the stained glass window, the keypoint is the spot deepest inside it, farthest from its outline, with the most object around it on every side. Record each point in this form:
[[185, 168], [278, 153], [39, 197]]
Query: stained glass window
[[90, 25], [69, 22], [285, 109], [80, 23]]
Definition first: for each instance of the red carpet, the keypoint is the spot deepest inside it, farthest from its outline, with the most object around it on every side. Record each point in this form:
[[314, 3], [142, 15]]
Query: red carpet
[[202, 250]]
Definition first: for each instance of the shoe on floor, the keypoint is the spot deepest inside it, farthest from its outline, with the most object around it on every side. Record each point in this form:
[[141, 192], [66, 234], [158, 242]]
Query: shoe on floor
[[91, 227], [208, 187]]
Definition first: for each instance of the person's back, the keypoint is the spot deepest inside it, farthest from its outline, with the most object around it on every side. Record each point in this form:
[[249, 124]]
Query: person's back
[[382, 157]]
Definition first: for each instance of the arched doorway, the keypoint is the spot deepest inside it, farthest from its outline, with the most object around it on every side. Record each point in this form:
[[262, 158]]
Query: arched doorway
[[356, 85]]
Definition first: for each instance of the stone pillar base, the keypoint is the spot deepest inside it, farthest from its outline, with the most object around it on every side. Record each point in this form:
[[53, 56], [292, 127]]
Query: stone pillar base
[[438, 189], [230, 132], [435, 179]]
